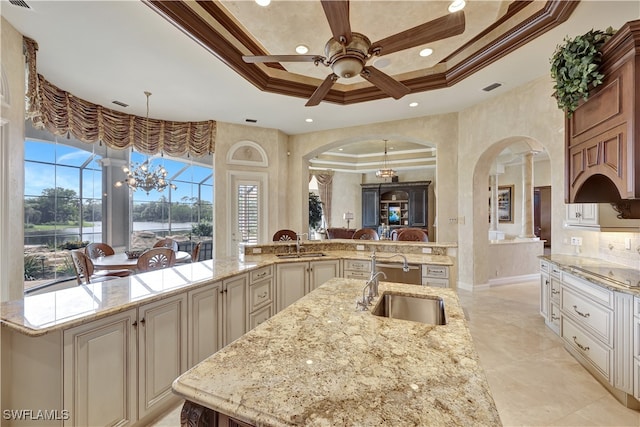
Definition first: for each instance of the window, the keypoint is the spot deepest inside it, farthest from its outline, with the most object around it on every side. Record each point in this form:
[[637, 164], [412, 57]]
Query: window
[[248, 212], [62, 207], [186, 211]]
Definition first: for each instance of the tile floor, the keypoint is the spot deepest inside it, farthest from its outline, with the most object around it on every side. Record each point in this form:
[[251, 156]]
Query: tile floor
[[534, 381]]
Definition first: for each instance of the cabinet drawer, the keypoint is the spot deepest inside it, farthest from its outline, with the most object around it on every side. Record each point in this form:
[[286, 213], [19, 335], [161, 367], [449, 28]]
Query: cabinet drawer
[[588, 314], [544, 267], [261, 274], [595, 292], [356, 275], [555, 291], [260, 316], [592, 350], [554, 318], [260, 294], [357, 265], [437, 271], [438, 283], [555, 271]]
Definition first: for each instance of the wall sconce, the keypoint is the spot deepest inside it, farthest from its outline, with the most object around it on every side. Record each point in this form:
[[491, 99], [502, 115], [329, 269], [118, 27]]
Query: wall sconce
[[347, 216]]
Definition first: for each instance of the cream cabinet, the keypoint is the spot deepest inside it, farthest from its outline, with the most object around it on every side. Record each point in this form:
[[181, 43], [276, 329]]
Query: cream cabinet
[[162, 350], [550, 284], [261, 295], [296, 279], [100, 372], [235, 303], [636, 347], [204, 322], [119, 369], [582, 214], [356, 269], [435, 275]]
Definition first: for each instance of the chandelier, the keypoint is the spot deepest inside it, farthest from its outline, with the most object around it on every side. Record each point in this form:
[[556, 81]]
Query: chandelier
[[385, 171], [144, 175]]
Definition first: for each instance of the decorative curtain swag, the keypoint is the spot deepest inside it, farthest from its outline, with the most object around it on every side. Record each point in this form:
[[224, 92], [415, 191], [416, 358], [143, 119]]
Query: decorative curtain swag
[[62, 113]]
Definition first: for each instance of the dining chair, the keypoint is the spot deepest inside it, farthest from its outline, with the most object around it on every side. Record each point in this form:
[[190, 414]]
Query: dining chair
[[366, 234], [156, 259], [195, 252], [95, 250], [413, 235], [167, 243], [84, 269], [284, 235]]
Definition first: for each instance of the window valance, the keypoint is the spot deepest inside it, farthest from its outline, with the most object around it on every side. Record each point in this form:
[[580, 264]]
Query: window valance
[[62, 113]]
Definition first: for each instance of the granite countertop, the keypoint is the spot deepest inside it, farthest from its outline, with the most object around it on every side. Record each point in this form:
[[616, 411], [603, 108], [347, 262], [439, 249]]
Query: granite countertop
[[414, 258], [322, 362], [37, 315], [580, 266]]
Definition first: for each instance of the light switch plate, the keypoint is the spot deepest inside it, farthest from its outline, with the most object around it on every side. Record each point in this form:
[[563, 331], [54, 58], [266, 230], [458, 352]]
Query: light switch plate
[[359, 247], [257, 250], [426, 250]]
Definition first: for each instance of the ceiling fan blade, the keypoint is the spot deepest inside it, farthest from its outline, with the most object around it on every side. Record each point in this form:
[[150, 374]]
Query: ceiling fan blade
[[320, 92], [385, 83], [282, 58], [337, 13], [447, 26]]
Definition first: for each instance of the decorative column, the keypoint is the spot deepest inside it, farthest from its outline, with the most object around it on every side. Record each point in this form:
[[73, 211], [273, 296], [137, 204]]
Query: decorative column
[[493, 226], [527, 196], [115, 204]]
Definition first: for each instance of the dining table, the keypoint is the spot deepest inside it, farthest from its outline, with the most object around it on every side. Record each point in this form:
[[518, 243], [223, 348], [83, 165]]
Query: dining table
[[121, 260]]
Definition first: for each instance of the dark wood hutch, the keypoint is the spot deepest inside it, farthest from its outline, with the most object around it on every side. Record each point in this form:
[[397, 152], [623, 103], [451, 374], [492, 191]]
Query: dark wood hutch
[[395, 204]]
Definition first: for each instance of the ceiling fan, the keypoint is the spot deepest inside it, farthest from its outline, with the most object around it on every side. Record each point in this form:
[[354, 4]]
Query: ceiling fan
[[347, 52]]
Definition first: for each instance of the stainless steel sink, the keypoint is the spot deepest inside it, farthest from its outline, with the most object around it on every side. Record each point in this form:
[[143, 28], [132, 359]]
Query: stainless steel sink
[[424, 309], [301, 255]]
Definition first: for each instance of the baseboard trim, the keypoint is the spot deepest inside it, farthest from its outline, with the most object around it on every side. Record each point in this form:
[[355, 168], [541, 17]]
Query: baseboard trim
[[471, 288], [514, 279]]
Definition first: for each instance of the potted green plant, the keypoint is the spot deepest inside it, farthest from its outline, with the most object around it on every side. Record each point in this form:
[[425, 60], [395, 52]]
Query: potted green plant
[[315, 211], [575, 68]]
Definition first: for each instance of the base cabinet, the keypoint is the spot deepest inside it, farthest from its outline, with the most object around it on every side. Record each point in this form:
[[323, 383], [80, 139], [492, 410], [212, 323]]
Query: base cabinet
[[296, 279], [235, 303], [100, 372], [120, 369], [204, 323]]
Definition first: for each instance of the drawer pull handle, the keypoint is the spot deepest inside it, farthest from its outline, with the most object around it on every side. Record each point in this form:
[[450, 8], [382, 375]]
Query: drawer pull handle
[[554, 317], [261, 275], [546, 282], [555, 292], [585, 315], [262, 295], [580, 346]]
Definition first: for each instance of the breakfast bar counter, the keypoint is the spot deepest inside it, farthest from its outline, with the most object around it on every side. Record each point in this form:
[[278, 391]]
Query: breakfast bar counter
[[322, 362]]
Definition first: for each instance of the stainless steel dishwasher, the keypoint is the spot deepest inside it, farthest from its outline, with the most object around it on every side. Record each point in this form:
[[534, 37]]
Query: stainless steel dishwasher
[[395, 274]]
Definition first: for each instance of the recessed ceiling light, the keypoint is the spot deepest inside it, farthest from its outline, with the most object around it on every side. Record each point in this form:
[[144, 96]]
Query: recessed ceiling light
[[340, 149], [413, 104], [308, 120], [457, 5], [426, 52], [263, 2], [381, 62], [302, 49]]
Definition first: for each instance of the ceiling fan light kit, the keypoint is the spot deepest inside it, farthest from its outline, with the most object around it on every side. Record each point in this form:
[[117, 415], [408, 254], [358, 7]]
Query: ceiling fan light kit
[[347, 52]]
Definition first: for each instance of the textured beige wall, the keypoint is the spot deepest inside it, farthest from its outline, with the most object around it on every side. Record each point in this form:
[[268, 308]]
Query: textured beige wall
[[12, 165], [274, 143], [346, 198]]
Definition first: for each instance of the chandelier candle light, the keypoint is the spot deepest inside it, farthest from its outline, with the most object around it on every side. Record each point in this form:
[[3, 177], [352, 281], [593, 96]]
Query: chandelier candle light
[[144, 175], [385, 172]]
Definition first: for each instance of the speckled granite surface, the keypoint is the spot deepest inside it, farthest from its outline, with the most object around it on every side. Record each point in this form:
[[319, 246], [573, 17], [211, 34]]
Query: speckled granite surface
[[569, 262], [320, 362], [40, 314]]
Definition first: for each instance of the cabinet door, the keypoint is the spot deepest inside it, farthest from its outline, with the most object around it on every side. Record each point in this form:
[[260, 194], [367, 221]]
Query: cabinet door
[[235, 307], [100, 361], [545, 288], [589, 214], [204, 323], [418, 207], [292, 283], [321, 271], [162, 343], [370, 207]]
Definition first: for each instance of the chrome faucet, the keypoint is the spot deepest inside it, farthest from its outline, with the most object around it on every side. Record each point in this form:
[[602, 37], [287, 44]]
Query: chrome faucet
[[372, 283], [299, 241], [373, 277]]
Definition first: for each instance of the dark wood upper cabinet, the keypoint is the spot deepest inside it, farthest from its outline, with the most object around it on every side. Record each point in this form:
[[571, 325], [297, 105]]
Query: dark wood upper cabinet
[[396, 204], [603, 135]]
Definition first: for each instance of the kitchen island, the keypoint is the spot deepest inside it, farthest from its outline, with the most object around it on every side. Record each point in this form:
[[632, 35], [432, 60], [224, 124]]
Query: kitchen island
[[322, 362]]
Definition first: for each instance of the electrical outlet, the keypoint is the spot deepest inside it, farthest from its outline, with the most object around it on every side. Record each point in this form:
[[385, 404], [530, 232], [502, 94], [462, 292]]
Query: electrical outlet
[[257, 250], [627, 243], [359, 247], [576, 241], [426, 250], [453, 220]]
